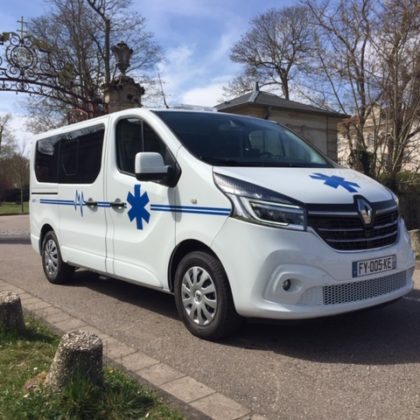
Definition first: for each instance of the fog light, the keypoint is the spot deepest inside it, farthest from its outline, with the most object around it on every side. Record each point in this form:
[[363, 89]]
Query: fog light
[[286, 285]]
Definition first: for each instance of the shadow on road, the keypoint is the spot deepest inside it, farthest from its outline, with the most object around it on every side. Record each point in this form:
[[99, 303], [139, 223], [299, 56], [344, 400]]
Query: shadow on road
[[386, 335], [143, 297]]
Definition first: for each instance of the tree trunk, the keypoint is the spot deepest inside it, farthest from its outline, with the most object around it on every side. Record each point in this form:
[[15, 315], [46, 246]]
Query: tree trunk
[[21, 200]]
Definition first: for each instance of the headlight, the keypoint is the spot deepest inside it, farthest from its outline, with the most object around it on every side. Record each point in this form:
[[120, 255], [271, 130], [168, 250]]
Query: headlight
[[259, 205]]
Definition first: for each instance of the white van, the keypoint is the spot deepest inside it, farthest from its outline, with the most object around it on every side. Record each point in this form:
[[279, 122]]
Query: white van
[[236, 216]]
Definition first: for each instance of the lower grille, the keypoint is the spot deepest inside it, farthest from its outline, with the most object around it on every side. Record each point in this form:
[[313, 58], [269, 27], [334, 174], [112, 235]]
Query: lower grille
[[365, 289], [355, 291]]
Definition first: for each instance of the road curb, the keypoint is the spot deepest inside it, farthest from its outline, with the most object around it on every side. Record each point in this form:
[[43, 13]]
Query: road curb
[[194, 399], [15, 239]]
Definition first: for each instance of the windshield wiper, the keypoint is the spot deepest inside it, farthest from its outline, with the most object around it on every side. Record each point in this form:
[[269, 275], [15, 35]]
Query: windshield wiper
[[262, 164], [222, 161]]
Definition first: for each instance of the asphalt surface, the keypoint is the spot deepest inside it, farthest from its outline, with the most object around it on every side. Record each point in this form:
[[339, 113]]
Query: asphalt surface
[[358, 366]]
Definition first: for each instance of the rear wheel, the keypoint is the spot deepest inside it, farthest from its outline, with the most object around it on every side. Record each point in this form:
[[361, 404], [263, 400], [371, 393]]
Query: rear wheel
[[203, 297], [55, 269]]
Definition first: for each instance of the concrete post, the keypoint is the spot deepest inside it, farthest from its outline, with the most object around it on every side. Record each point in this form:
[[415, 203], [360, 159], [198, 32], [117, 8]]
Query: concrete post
[[11, 315], [415, 240], [122, 93], [78, 357]]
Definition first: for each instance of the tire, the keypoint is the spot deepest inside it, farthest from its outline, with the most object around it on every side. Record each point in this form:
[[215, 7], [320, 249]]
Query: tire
[[55, 269], [203, 297]]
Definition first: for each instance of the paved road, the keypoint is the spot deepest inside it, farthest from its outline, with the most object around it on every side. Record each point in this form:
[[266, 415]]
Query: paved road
[[364, 365]]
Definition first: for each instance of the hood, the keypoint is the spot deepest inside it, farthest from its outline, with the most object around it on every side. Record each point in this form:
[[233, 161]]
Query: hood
[[312, 185]]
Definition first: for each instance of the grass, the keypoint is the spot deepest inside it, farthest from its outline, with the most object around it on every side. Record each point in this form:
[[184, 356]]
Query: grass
[[24, 362], [13, 208]]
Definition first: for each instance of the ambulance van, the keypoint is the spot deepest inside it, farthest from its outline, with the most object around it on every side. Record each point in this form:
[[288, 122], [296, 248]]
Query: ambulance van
[[236, 216]]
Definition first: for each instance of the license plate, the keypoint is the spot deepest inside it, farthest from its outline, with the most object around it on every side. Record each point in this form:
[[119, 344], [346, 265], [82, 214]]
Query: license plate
[[373, 266]]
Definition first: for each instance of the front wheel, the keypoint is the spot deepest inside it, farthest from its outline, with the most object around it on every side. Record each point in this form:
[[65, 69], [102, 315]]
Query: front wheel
[[55, 269], [203, 297]]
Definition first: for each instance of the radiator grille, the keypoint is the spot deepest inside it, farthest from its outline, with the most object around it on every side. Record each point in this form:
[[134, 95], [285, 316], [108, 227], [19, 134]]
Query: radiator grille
[[365, 289], [348, 233]]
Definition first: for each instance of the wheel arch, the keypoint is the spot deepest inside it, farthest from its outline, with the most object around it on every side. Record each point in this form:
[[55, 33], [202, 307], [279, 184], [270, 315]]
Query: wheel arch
[[181, 250], [45, 229]]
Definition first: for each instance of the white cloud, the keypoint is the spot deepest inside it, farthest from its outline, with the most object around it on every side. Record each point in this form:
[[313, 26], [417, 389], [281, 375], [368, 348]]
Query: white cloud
[[195, 76], [205, 96]]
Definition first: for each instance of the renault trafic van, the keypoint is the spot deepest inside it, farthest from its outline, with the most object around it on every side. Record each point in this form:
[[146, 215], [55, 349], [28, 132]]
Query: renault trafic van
[[236, 216]]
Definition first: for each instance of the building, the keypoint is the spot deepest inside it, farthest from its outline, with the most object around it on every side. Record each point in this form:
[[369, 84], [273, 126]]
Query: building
[[316, 125]]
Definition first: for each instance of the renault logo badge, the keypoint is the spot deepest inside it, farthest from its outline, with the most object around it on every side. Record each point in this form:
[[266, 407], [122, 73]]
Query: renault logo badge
[[365, 211]]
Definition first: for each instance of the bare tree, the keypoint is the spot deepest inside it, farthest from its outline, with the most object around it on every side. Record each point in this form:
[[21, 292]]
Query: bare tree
[[7, 142], [348, 70], [274, 49], [78, 34], [398, 46], [7, 149], [369, 66], [18, 165]]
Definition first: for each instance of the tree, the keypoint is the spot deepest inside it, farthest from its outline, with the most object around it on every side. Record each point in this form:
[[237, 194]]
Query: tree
[[18, 166], [77, 35], [7, 149], [367, 53], [274, 50], [349, 74], [4, 132], [398, 48]]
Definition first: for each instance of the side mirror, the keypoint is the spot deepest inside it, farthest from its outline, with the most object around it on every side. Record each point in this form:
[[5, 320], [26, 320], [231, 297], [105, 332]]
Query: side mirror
[[149, 166]]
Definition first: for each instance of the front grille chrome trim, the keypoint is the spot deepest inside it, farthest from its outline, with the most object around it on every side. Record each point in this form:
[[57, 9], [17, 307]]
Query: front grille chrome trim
[[341, 230], [333, 213], [375, 238], [386, 225], [387, 210]]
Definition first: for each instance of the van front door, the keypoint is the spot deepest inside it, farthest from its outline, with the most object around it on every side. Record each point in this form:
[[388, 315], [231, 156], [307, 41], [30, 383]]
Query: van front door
[[140, 240]]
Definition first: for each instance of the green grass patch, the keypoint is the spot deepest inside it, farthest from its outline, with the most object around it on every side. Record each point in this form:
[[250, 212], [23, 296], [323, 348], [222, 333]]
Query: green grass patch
[[13, 208], [24, 362]]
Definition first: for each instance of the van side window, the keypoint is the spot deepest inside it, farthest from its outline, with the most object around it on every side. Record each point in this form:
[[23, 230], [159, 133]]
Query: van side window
[[133, 136], [46, 159], [81, 155], [70, 158]]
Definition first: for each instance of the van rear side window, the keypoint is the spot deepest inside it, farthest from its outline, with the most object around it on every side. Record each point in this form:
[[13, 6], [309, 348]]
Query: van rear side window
[[46, 159], [70, 158]]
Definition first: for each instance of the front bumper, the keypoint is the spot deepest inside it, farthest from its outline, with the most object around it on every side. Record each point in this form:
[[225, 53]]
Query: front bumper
[[258, 260]]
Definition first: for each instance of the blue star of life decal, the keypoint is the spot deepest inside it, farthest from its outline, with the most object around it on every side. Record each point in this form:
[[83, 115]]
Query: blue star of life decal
[[336, 181], [138, 204]]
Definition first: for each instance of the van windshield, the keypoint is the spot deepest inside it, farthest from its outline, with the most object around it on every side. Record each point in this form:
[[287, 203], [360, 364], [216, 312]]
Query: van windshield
[[232, 140]]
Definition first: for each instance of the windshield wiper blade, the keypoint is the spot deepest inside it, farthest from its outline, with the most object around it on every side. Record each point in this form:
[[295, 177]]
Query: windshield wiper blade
[[228, 162]]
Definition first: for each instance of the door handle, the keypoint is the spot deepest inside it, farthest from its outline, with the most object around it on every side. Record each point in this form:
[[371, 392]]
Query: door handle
[[91, 203], [118, 204]]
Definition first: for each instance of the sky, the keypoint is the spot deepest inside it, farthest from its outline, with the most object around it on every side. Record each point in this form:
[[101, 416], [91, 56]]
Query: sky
[[196, 37]]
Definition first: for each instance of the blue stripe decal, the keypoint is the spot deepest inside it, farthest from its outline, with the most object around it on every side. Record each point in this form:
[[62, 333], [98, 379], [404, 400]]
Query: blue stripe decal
[[215, 211], [191, 211], [174, 208], [62, 202]]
